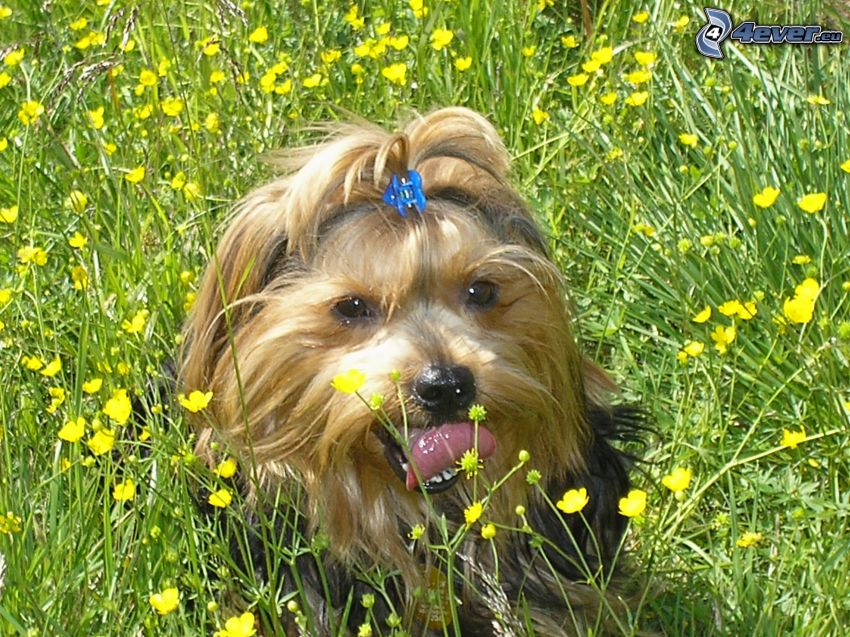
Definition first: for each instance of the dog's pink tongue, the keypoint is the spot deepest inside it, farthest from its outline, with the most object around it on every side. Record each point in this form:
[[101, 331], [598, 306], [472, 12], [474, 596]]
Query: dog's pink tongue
[[438, 449]]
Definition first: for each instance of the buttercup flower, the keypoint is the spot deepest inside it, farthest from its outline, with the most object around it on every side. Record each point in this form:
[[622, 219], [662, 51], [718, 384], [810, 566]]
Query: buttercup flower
[[580, 79], [118, 408], [259, 35], [638, 98], [462, 64], [812, 203], [242, 626], [166, 601], [677, 480], [573, 500], [220, 499], [349, 382], [136, 175], [396, 73], [30, 112], [92, 386], [703, 315], [440, 38], [9, 215], [488, 531], [633, 504], [791, 439], [73, 430], [645, 58], [226, 468], [689, 139], [101, 442], [473, 512], [749, 539], [196, 401], [767, 197], [124, 491]]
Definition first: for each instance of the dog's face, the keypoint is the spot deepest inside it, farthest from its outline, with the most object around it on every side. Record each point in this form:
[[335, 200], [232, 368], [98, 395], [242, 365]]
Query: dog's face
[[455, 306]]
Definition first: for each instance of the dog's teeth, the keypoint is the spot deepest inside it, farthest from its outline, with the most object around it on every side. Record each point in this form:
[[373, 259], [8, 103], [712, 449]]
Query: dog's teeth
[[404, 466], [436, 478], [448, 474]]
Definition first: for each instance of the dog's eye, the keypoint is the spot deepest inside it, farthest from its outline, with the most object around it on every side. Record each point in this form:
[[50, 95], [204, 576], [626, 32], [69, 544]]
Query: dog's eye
[[351, 309], [482, 295]]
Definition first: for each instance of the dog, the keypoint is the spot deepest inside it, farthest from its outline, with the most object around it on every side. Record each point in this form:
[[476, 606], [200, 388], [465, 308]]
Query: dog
[[410, 258]]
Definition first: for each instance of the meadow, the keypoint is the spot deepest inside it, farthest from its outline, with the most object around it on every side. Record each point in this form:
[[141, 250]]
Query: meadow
[[700, 210]]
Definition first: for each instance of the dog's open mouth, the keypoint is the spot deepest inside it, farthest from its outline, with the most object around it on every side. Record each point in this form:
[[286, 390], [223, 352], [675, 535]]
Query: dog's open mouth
[[431, 462]]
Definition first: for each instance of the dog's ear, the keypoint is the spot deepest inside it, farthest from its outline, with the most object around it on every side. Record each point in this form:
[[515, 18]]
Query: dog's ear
[[252, 252]]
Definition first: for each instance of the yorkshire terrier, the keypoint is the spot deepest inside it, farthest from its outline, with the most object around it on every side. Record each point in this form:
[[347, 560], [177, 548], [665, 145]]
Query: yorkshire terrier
[[410, 258]]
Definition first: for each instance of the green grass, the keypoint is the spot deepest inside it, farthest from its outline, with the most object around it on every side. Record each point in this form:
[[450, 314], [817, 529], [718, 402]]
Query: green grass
[[647, 229]]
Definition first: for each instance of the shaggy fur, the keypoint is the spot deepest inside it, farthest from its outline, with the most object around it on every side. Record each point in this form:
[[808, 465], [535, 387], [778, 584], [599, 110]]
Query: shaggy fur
[[315, 276]]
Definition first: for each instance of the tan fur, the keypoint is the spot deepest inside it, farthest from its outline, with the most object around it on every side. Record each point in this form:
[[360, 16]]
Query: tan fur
[[268, 346]]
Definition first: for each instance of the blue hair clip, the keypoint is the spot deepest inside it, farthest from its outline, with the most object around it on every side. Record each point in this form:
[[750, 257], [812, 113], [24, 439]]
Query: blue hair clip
[[405, 193]]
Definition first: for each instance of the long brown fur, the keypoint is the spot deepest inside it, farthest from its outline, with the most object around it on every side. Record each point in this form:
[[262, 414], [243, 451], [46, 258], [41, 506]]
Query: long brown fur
[[264, 339]]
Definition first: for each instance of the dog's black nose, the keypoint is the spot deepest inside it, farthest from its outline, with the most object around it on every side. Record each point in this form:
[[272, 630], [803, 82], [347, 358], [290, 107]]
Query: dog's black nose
[[443, 389]]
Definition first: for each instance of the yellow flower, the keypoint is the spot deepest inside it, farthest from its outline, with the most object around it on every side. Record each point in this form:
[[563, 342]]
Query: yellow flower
[[5, 78], [799, 310], [801, 259], [488, 531], [399, 42], [136, 175], [703, 315], [677, 480], [746, 310], [32, 254], [689, 139], [528, 51], [638, 77], [440, 38], [730, 308], [79, 277], [101, 442], [817, 100], [78, 241], [473, 512], [220, 499], [14, 57], [419, 9], [313, 81], [396, 73], [603, 55], [210, 46], [569, 41], [92, 386], [259, 35], [5, 12], [608, 98], [226, 468], [681, 23], [137, 323], [4, 143], [96, 117], [147, 78], [808, 289], [9, 215], [166, 601], [242, 626], [353, 18], [124, 491], [813, 202], [723, 337], [330, 56], [462, 64], [172, 106], [645, 58], [791, 439], [573, 500], [694, 348], [30, 112], [32, 363], [196, 401], [638, 98], [749, 539], [539, 116], [846, 166], [73, 430], [57, 395], [579, 79], [349, 382], [640, 18], [118, 407], [52, 368], [633, 504], [591, 66], [766, 198]]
